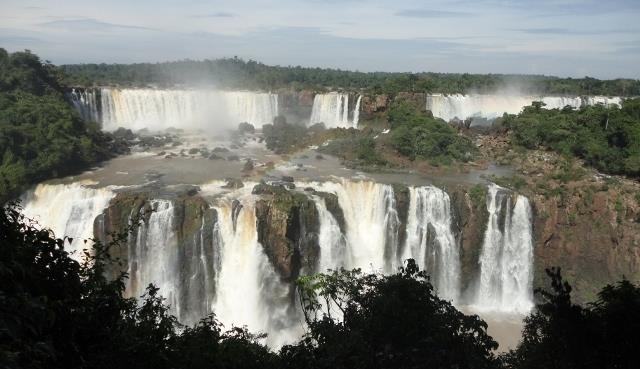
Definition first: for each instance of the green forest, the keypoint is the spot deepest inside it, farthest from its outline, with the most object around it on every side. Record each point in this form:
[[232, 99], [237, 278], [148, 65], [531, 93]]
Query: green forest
[[606, 138], [58, 313], [41, 135], [240, 74]]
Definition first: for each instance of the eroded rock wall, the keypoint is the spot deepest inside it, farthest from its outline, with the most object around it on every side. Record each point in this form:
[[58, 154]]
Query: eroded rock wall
[[592, 234], [287, 229]]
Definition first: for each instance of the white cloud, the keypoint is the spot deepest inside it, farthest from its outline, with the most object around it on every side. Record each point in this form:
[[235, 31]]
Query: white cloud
[[455, 36]]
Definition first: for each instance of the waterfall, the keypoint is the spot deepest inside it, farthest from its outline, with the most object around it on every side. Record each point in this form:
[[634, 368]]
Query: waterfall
[[449, 107], [330, 238], [214, 263], [605, 100], [332, 109], [252, 107], [248, 291], [430, 240], [153, 258], [68, 210], [356, 112], [86, 103], [506, 259], [371, 221], [202, 109]]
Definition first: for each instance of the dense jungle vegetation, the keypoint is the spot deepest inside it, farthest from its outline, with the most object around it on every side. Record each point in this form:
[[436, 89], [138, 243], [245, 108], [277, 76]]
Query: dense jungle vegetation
[[239, 74], [414, 134], [606, 138], [41, 135], [58, 313], [418, 134]]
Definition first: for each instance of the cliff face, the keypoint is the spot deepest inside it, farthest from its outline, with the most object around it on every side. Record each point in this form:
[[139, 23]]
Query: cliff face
[[128, 214], [287, 229], [113, 226], [469, 223], [197, 252], [296, 106], [401, 194], [373, 105], [586, 223], [592, 233], [287, 226]]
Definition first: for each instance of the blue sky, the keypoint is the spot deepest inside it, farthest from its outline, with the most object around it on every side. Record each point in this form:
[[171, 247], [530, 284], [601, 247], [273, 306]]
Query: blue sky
[[562, 37]]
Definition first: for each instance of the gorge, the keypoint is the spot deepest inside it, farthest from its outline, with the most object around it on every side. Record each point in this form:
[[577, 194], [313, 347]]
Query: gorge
[[194, 246], [200, 221]]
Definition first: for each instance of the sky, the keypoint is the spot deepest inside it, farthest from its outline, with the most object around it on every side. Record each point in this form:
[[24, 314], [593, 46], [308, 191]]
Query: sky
[[568, 38]]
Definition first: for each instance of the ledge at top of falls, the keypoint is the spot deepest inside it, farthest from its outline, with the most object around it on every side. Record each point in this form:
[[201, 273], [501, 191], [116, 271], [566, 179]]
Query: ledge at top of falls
[[462, 107], [156, 109]]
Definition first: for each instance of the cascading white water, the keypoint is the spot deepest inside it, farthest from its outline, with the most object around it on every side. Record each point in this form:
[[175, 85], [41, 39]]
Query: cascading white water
[[604, 100], [86, 104], [356, 112], [252, 107], [332, 109], [203, 109], [222, 268], [449, 107], [430, 240], [506, 259], [68, 210], [248, 290], [370, 220], [153, 258], [330, 238]]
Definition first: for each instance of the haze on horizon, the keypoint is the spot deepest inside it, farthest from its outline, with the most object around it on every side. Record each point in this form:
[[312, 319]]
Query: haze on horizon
[[567, 38]]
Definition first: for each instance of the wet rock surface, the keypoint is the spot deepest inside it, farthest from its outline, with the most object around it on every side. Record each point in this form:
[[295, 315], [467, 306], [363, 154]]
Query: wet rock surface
[[287, 229]]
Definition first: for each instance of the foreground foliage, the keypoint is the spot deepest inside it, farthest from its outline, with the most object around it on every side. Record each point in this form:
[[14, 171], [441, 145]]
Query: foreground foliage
[[560, 334], [58, 313], [41, 136], [361, 320]]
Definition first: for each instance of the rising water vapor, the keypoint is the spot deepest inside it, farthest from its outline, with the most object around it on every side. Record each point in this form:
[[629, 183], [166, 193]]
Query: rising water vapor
[[156, 109]]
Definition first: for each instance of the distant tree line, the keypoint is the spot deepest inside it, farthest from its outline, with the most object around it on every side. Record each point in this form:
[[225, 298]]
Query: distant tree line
[[240, 74], [58, 313]]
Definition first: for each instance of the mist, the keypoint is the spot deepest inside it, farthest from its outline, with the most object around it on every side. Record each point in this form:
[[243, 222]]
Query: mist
[[211, 111]]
